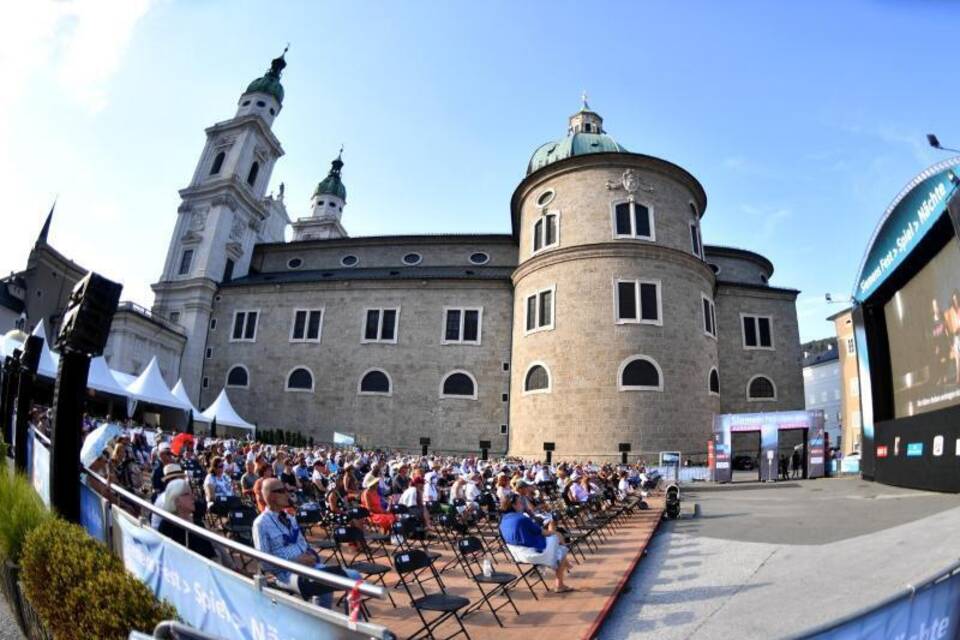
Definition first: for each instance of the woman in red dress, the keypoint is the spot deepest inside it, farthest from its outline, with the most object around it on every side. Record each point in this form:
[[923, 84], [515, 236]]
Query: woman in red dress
[[371, 501]]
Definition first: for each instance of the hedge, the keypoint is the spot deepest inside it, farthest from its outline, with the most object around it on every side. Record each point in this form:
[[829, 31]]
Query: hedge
[[22, 510], [81, 590]]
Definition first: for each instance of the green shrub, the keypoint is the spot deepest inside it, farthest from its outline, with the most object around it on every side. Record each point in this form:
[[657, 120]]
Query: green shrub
[[22, 510], [81, 590]]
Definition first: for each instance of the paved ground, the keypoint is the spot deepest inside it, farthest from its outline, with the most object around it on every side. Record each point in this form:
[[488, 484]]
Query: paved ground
[[8, 627], [770, 560]]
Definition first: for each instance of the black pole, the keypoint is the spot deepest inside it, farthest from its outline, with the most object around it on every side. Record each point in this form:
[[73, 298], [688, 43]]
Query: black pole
[[549, 457], [29, 359], [9, 391], [69, 401]]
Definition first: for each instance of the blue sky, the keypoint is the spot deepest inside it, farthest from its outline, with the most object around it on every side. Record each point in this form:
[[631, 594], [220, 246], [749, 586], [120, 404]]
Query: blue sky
[[802, 120]]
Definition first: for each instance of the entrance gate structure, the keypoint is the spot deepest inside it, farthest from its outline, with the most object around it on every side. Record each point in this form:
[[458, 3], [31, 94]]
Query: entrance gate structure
[[769, 425]]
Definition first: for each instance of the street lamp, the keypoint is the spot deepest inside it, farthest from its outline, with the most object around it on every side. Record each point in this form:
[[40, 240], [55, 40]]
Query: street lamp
[[935, 143]]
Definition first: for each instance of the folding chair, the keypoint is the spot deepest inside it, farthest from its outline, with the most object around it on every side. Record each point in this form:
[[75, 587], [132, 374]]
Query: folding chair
[[405, 530], [527, 574], [470, 552], [219, 511], [361, 562], [309, 519], [409, 565]]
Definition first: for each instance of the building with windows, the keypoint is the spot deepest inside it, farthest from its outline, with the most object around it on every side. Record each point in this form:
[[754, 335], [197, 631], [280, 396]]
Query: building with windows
[[823, 385], [850, 422], [600, 320]]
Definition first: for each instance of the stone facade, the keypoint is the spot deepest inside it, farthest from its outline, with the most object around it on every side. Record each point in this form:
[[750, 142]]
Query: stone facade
[[416, 364], [850, 421], [136, 336]]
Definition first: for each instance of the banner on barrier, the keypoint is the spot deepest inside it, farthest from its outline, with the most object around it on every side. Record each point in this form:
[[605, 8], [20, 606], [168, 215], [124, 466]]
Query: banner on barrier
[[39, 467], [932, 613], [211, 598], [92, 513]]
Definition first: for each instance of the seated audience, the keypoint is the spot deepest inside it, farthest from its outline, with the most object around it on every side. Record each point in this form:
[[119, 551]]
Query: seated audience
[[178, 500], [527, 542], [217, 483]]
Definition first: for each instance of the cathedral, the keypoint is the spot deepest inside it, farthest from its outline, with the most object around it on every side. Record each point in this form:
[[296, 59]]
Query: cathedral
[[601, 322]]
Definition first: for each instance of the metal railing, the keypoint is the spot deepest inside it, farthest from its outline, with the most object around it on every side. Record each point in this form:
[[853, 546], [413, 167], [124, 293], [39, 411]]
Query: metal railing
[[133, 307], [909, 591], [259, 581]]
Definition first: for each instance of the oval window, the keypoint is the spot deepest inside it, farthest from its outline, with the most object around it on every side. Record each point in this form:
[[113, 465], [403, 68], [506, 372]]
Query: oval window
[[479, 258], [763, 278], [294, 263], [545, 198], [349, 261], [261, 103], [246, 103], [412, 258]]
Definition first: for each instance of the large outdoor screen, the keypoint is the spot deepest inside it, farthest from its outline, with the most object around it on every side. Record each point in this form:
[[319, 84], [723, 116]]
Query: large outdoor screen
[[923, 328]]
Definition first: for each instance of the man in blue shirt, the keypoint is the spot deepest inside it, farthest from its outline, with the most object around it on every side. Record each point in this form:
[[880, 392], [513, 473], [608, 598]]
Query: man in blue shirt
[[528, 543]]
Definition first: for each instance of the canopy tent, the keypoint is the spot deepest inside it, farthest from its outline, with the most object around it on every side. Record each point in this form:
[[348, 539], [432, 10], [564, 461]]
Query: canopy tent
[[150, 387], [125, 379], [11, 341], [49, 361], [101, 378], [223, 411], [180, 392]]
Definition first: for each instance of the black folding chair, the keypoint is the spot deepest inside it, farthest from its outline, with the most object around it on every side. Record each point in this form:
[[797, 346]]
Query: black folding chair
[[409, 565], [530, 576], [220, 509], [362, 561], [471, 553]]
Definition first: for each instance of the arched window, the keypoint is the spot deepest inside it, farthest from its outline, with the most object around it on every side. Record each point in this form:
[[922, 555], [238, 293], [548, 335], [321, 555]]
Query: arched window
[[218, 163], [761, 389], [537, 379], [714, 382], [300, 379], [458, 384], [375, 382], [238, 376], [252, 176], [640, 373]]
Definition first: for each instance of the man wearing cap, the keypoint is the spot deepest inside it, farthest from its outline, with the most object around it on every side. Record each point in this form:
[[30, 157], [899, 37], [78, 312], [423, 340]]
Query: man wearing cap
[[164, 457], [172, 471]]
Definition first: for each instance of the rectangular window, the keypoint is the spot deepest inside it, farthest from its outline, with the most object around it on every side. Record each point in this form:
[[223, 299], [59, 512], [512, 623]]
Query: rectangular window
[[228, 271], [209, 353], [638, 302], [632, 220], [709, 316], [381, 325], [307, 324], [540, 310], [185, 260], [213, 324], [462, 326], [757, 332], [695, 239], [174, 316], [244, 326], [546, 231]]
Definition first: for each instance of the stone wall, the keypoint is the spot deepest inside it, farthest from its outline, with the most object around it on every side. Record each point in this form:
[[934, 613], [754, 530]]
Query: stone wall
[[416, 364]]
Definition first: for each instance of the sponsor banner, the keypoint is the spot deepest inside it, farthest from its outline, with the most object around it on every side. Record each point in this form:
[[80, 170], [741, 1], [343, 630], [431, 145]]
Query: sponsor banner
[[92, 514], [211, 598], [882, 451], [932, 613], [914, 449], [39, 467]]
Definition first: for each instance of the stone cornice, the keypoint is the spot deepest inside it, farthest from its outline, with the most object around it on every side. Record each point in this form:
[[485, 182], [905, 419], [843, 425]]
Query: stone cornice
[[613, 249], [756, 290], [243, 121], [225, 191], [340, 285], [605, 161]]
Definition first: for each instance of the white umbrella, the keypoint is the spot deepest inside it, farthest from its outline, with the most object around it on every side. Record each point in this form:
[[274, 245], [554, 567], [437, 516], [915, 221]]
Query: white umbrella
[[97, 441]]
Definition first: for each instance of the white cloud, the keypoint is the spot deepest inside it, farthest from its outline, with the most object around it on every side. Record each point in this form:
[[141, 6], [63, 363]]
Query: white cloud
[[768, 219]]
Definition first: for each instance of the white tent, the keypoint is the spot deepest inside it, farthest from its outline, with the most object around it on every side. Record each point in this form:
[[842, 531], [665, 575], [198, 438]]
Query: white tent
[[180, 392], [223, 411], [101, 378], [11, 341], [49, 361], [150, 387]]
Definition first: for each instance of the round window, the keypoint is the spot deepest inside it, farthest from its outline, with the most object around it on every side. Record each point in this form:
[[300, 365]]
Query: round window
[[545, 198], [714, 268], [246, 103], [349, 261], [272, 112], [320, 203], [479, 258], [261, 103], [294, 263], [412, 258], [763, 278]]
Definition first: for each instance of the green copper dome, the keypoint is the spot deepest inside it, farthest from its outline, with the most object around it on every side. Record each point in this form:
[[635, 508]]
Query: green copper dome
[[332, 185], [575, 144], [269, 83], [585, 135]]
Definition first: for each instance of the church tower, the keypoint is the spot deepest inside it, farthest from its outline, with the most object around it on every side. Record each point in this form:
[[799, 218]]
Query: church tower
[[223, 213], [326, 208]]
